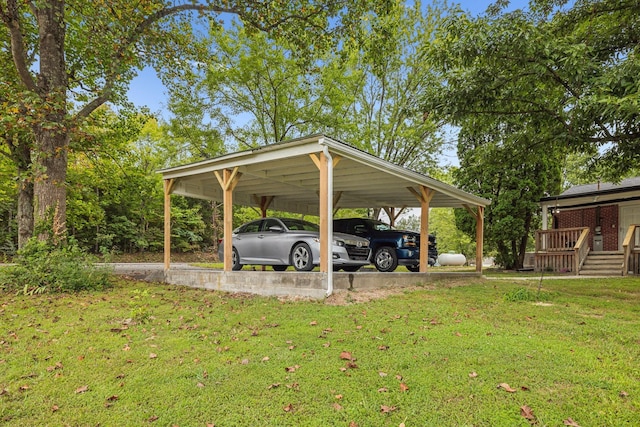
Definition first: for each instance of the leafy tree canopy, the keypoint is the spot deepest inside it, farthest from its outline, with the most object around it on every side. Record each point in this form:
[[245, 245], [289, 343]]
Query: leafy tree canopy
[[573, 66]]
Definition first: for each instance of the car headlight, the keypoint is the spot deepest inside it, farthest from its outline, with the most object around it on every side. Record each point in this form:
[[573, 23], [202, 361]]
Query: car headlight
[[338, 242], [408, 240]]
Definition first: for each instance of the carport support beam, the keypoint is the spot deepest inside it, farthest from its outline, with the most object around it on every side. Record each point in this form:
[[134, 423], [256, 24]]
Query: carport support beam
[[424, 196], [168, 188], [479, 238], [228, 182]]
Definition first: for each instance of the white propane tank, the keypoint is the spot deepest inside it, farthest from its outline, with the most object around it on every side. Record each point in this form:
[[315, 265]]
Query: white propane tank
[[452, 259]]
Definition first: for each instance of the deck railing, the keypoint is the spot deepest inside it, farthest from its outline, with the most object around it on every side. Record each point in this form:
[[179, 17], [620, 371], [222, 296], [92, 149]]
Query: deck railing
[[561, 250], [631, 249]]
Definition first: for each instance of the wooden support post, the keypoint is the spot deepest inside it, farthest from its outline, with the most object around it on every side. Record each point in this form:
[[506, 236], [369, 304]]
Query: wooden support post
[[168, 188], [336, 199], [325, 240], [264, 202], [479, 238], [320, 160], [424, 196], [393, 214], [228, 181]]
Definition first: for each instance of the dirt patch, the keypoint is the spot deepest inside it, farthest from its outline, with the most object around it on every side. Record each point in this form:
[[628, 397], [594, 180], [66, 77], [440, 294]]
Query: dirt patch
[[344, 297]]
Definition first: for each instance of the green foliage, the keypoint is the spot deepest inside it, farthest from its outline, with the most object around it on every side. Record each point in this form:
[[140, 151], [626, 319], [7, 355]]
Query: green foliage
[[140, 307], [528, 295], [498, 162], [45, 267], [570, 67], [8, 207]]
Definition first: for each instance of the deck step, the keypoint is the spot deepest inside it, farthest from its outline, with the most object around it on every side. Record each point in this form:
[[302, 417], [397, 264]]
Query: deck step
[[617, 272], [603, 264]]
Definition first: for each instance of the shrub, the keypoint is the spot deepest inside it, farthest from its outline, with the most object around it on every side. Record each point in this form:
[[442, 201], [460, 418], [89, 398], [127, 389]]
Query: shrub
[[43, 267], [526, 294]]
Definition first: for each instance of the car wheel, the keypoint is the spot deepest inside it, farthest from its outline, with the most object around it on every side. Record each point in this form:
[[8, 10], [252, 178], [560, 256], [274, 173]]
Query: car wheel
[[235, 261], [351, 268], [385, 259], [279, 267], [301, 257], [413, 268]]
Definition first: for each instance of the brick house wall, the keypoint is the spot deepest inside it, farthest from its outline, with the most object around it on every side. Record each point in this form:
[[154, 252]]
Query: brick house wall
[[586, 217]]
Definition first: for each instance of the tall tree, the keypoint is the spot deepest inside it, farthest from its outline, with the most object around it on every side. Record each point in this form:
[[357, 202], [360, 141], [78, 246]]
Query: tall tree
[[88, 51], [503, 162], [386, 118], [256, 91], [16, 136], [573, 66]]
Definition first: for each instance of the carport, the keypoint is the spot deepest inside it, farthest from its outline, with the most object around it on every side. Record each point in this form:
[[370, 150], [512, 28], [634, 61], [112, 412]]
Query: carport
[[313, 175]]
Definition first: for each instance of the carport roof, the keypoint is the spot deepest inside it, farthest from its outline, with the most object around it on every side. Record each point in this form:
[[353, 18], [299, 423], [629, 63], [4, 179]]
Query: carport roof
[[286, 172]]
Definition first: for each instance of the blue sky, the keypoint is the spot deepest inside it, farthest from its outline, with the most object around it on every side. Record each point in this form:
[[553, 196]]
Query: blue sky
[[147, 90]]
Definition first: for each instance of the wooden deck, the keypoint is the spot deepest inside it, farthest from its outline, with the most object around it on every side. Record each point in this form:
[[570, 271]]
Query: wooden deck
[[567, 250]]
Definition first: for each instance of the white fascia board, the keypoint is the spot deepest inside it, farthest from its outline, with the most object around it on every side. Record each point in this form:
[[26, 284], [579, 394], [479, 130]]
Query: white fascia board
[[406, 174], [258, 155]]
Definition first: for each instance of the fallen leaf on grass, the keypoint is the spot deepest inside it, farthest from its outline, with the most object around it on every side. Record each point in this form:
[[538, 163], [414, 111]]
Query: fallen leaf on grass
[[383, 390], [382, 374], [383, 347], [313, 323], [345, 355], [337, 406], [112, 398], [473, 374], [506, 387], [623, 394], [403, 387], [274, 385], [338, 396], [82, 389], [288, 408], [54, 408], [527, 412], [200, 385], [153, 356], [292, 368], [153, 418], [24, 387], [387, 409], [353, 424], [571, 423]]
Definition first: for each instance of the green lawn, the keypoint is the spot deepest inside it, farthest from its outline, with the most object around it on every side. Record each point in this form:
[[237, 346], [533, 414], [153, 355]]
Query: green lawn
[[150, 354]]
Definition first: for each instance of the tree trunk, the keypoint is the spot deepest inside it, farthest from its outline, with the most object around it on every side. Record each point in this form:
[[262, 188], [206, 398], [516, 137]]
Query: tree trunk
[[25, 209], [49, 189], [52, 133], [20, 149]]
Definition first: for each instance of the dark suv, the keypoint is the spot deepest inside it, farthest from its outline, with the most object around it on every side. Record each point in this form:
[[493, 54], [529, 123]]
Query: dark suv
[[389, 247]]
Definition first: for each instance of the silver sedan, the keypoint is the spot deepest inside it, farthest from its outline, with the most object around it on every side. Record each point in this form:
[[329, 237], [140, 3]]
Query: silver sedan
[[281, 242]]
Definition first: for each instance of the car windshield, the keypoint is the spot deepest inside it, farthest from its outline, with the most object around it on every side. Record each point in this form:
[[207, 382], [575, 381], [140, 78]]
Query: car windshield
[[298, 224], [380, 226]]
